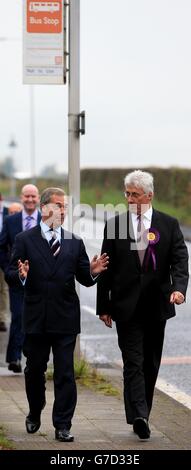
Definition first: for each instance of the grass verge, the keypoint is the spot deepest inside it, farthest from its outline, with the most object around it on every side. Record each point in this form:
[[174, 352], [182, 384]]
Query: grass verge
[[88, 376], [5, 444]]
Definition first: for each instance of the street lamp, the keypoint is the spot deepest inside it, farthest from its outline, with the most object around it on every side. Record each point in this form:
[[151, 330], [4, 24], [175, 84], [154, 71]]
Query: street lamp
[[13, 146]]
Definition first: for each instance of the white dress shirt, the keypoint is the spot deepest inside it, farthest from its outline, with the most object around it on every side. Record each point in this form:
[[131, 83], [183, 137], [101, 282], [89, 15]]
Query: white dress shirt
[[34, 218], [47, 233], [146, 220]]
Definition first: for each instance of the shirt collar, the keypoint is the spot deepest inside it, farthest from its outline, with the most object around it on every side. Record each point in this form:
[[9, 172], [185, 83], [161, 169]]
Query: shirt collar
[[147, 215], [34, 215], [46, 229]]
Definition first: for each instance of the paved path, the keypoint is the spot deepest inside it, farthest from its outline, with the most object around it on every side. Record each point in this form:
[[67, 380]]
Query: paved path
[[99, 421]]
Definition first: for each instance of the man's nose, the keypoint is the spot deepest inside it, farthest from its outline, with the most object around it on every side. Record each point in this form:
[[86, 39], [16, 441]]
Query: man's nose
[[130, 199]]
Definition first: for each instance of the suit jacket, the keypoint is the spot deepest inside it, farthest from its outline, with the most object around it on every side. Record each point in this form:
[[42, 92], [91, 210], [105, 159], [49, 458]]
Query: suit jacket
[[120, 287], [51, 303], [11, 227], [5, 212]]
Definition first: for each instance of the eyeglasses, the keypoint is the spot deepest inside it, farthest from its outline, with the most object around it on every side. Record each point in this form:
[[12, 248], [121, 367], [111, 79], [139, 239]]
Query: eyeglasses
[[133, 194]]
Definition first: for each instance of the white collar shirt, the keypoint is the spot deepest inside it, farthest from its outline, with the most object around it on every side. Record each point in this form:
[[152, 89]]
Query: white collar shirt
[[47, 233], [146, 220]]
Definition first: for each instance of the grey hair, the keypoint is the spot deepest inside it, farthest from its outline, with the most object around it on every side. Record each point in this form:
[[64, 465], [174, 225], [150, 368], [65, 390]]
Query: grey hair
[[48, 193], [140, 179]]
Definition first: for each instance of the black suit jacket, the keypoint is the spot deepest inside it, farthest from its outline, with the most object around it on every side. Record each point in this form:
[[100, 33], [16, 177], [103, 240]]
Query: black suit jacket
[[51, 303], [121, 286], [11, 227]]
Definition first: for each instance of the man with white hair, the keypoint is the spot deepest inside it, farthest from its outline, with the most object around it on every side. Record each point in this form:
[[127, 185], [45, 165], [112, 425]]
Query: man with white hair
[[146, 276], [27, 218]]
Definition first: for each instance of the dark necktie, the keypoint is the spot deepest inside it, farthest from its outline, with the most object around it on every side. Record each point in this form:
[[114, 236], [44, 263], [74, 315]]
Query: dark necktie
[[28, 223], [141, 248], [54, 245]]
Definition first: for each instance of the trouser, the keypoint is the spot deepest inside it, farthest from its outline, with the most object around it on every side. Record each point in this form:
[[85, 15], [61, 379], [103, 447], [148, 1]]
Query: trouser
[[4, 299], [141, 344], [15, 343], [37, 350]]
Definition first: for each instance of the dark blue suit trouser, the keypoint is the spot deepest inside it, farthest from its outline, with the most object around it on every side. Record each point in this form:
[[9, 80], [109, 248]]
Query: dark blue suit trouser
[[37, 350], [15, 342]]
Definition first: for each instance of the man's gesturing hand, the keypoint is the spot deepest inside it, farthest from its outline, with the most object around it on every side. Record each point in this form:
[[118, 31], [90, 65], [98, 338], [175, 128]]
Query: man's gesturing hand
[[23, 268], [99, 264]]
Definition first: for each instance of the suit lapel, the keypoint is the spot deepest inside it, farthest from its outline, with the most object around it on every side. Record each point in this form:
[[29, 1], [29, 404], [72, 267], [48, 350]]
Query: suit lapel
[[42, 246], [38, 217], [44, 249], [155, 223], [18, 222]]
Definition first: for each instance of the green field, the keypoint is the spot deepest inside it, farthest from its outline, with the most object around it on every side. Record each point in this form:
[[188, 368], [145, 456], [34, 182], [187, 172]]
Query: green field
[[93, 196], [105, 194]]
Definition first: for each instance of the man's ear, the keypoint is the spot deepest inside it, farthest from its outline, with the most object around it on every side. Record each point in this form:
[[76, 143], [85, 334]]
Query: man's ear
[[150, 196], [45, 209], [47, 212]]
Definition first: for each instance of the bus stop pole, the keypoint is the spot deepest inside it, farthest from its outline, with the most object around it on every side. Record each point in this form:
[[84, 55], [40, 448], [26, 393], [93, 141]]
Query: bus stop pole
[[73, 117]]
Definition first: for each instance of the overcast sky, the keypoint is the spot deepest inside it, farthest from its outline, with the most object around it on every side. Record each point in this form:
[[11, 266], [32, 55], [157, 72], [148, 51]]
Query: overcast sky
[[135, 88]]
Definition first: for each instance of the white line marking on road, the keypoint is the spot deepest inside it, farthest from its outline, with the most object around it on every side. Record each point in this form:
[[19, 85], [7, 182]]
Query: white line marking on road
[[176, 360], [99, 337], [170, 390], [174, 392]]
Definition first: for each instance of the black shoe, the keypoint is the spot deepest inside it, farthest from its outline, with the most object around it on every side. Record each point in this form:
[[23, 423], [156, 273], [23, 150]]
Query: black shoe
[[141, 428], [3, 326], [32, 423], [15, 366], [63, 435]]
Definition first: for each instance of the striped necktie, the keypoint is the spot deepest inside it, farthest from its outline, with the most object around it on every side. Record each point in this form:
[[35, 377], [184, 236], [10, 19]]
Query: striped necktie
[[54, 244], [28, 223]]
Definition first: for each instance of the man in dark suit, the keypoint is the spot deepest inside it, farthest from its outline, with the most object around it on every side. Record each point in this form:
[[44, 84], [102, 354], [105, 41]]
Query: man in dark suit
[[3, 285], [147, 275], [14, 224], [50, 259]]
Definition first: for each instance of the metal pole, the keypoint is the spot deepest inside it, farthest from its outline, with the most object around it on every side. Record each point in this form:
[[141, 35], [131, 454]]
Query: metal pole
[[73, 116], [32, 134], [74, 105], [13, 146]]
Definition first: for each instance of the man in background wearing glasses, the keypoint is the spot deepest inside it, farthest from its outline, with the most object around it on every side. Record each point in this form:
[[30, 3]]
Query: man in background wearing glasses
[[146, 276]]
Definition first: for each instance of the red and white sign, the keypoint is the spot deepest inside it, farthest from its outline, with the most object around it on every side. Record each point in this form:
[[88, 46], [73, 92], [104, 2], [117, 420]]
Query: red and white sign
[[44, 17], [43, 41]]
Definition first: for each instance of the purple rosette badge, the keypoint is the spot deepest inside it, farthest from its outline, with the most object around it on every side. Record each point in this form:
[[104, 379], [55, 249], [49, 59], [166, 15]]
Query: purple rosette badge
[[152, 238]]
